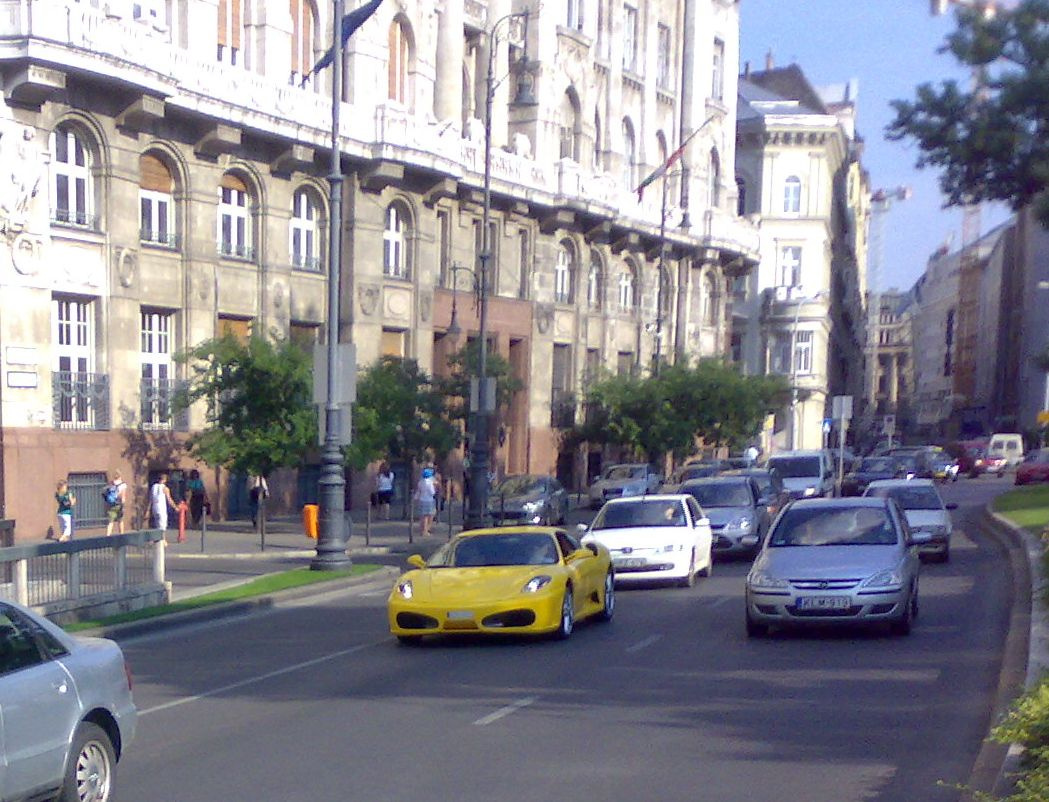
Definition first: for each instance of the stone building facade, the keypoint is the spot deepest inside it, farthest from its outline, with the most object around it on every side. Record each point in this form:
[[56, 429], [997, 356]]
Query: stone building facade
[[163, 181]]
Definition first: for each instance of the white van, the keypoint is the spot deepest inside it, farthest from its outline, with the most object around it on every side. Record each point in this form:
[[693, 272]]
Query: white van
[[806, 474], [1010, 446]]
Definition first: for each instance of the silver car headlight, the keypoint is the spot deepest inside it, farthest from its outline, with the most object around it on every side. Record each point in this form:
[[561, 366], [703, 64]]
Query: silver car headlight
[[532, 506], [405, 589], [762, 580], [889, 578], [537, 583]]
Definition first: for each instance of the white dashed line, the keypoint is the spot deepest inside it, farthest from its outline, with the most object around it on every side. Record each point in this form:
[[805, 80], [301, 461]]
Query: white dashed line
[[502, 712], [644, 644]]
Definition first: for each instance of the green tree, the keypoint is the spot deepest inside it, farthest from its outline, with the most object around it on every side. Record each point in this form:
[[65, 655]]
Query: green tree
[[464, 365], [258, 401], [990, 141]]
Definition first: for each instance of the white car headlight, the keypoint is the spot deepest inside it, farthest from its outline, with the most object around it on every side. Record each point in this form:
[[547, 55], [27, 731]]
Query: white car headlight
[[889, 578], [536, 583], [405, 589], [762, 580], [809, 491], [532, 506]]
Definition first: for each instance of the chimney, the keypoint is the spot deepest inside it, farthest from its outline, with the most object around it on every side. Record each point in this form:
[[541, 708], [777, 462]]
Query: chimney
[[770, 63]]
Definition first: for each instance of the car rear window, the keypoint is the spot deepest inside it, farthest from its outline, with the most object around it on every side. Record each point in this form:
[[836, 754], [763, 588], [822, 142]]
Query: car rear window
[[720, 494], [920, 497], [645, 513], [796, 467], [833, 526]]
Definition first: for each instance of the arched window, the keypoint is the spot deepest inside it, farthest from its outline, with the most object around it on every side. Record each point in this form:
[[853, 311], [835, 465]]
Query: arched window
[[400, 55], [792, 195], [72, 182], [303, 25], [564, 273], [714, 176], [396, 239], [595, 281], [230, 16], [234, 221], [629, 156], [627, 288], [569, 125], [156, 204], [710, 300], [304, 231], [741, 196]]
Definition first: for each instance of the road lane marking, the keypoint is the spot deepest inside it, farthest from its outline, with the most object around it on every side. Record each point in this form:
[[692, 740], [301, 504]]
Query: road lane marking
[[643, 644], [503, 712], [185, 700], [721, 600]]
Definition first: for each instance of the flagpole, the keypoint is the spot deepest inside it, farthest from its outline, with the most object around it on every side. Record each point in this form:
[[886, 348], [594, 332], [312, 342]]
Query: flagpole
[[660, 288], [332, 532]]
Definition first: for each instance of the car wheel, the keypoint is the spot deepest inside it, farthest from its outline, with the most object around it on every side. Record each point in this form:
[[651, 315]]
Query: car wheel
[[90, 766], [410, 640], [689, 580], [902, 625], [754, 629], [564, 629], [945, 555], [608, 598], [709, 569]]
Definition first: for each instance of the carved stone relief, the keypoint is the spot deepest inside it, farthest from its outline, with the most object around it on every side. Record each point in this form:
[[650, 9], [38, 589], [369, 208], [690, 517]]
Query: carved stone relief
[[425, 306], [20, 175], [544, 317], [368, 298], [127, 266]]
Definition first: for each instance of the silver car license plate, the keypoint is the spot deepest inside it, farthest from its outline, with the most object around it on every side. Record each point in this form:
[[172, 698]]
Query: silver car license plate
[[824, 603]]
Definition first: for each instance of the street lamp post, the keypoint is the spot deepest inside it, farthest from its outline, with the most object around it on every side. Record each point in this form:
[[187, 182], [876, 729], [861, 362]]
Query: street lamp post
[[477, 511], [794, 365]]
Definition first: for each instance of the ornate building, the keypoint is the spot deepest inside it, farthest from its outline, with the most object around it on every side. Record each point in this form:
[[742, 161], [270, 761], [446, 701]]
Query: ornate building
[[164, 167]]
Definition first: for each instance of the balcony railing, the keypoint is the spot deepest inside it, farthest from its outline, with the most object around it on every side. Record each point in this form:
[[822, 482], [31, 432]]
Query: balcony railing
[[74, 219], [236, 250], [80, 400], [157, 412], [308, 263], [160, 239], [562, 409]]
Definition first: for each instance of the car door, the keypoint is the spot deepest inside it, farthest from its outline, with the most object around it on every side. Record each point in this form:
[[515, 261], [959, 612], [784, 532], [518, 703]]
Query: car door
[[761, 512], [701, 527], [38, 705], [583, 567]]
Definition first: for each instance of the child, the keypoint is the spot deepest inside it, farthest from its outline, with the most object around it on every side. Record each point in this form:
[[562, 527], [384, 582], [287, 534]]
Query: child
[[183, 516]]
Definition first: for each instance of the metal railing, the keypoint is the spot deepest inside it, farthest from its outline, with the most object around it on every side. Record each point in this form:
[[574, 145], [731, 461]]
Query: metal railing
[[75, 219], [157, 412], [82, 571], [236, 250], [165, 239], [80, 400]]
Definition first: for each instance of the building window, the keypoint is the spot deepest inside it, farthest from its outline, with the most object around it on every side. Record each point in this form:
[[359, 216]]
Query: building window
[[630, 43], [663, 58], [229, 19], [396, 239], [71, 180], [625, 363], [792, 195], [393, 343], [156, 204], [790, 266], [234, 221], [595, 282], [157, 374], [304, 233], [575, 15], [629, 156], [564, 273], [400, 55], [717, 89], [303, 24], [714, 177], [524, 261], [562, 399], [80, 397], [444, 246], [803, 353], [627, 295], [239, 328], [736, 347]]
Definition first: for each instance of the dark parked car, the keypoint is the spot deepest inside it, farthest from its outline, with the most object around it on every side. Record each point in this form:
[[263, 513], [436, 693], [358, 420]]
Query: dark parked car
[[871, 469], [738, 518], [528, 499], [698, 470], [770, 485]]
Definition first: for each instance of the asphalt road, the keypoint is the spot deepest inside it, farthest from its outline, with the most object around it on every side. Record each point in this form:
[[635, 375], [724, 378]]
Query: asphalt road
[[668, 702]]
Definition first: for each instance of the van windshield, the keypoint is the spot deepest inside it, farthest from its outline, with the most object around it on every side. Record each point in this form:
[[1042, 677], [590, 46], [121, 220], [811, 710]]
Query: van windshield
[[796, 467]]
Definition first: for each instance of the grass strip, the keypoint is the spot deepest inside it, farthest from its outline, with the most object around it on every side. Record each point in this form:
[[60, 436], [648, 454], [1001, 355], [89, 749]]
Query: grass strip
[[263, 586], [1025, 506]]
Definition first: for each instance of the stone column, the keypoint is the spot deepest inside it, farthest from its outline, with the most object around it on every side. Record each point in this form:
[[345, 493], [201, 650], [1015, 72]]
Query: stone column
[[450, 46]]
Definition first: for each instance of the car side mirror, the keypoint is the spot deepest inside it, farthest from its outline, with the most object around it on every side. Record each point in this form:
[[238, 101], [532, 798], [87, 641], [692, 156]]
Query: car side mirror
[[581, 528], [952, 505], [416, 561], [592, 547], [919, 538]]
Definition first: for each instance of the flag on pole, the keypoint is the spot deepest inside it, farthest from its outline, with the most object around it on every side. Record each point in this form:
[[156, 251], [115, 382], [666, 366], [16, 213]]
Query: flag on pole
[[661, 171], [350, 23]]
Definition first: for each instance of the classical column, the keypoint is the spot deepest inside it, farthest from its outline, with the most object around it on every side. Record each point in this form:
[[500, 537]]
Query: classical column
[[450, 45]]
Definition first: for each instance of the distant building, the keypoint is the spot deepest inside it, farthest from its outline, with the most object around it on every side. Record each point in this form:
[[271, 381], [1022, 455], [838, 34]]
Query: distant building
[[889, 353]]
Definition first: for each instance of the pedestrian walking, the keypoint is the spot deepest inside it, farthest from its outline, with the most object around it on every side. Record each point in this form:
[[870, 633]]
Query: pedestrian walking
[[260, 491], [198, 498], [426, 499], [384, 490], [183, 516], [115, 499], [160, 501], [66, 500], [751, 455]]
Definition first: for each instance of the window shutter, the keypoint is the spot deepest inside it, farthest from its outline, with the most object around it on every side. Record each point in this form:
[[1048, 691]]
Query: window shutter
[[154, 174], [223, 14], [235, 23], [231, 181]]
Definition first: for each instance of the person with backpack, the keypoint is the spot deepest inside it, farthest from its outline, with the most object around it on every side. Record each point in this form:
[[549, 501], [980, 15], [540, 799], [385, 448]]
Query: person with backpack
[[114, 497]]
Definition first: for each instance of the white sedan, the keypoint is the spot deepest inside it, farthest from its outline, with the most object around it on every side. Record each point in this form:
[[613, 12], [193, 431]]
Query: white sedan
[[662, 538]]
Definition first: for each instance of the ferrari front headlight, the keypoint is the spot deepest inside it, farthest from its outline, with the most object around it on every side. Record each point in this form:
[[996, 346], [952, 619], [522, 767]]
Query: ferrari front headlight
[[537, 583], [405, 589]]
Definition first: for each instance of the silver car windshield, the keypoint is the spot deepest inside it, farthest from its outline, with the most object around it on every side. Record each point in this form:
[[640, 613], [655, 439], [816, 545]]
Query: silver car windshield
[[834, 526], [647, 513]]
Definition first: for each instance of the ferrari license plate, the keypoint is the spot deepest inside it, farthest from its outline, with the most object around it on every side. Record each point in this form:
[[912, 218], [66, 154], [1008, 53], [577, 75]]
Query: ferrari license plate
[[460, 615], [629, 562], [824, 603]]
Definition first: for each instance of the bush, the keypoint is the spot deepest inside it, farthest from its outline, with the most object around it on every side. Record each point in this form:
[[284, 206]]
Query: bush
[[1027, 724]]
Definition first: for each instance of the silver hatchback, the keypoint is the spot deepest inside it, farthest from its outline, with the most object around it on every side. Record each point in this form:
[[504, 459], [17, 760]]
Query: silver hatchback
[[834, 562]]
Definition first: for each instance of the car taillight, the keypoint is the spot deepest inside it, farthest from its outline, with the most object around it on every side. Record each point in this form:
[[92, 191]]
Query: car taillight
[[127, 673]]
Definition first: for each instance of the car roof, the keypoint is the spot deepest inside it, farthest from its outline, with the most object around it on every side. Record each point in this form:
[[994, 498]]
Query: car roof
[[902, 483], [723, 479], [839, 503], [512, 530], [812, 452], [650, 497], [750, 472]]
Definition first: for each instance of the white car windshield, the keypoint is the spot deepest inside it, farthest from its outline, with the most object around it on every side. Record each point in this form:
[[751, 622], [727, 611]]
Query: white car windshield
[[834, 526], [625, 472], [645, 513]]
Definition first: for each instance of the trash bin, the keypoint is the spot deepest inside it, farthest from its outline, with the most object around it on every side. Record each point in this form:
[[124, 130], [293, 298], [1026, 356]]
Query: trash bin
[[310, 514]]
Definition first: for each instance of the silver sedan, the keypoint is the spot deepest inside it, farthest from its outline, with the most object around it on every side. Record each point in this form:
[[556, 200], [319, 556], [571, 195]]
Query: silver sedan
[[66, 713], [833, 562]]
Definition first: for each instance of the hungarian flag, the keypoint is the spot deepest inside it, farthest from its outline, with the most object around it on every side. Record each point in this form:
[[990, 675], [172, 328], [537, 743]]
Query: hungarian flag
[[350, 23], [661, 171]]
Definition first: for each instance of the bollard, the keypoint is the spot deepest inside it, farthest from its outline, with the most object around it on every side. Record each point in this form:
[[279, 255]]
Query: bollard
[[203, 527], [411, 522], [368, 527], [159, 547]]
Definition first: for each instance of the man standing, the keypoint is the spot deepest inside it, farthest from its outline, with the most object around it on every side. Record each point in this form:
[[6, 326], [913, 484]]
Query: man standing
[[115, 496], [160, 501]]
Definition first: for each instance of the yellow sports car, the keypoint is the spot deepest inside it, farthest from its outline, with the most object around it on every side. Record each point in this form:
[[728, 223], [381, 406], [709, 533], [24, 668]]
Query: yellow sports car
[[526, 579]]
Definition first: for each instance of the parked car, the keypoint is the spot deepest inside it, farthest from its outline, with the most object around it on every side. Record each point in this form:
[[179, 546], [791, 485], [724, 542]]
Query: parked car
[[66, 712], [805, 473], [1009, 446], [664, 537], [870, 469], [1034, 468], [617, 481], [528, 499], [738, 517], [524, 579], [921, 503], [770, 486], [833, 562], [692, 471], [943, 467]]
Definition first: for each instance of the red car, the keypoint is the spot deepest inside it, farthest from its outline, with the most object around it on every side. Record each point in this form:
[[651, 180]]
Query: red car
[[1034, 468], [973, 460]]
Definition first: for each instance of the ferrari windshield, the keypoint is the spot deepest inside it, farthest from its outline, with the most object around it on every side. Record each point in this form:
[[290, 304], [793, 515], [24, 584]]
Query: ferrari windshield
[[641, 513], [478, 551], [834, 526], [911, 497]]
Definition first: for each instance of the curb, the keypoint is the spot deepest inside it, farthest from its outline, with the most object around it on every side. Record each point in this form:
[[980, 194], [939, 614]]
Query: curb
[[242, 607], [1025, 653], [274, 553]]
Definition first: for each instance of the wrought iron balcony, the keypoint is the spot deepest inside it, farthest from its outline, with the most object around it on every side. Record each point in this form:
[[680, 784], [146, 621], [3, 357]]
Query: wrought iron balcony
[[74, 219], [236, 250], [562, 409], [164, 239], [156, 412], [301, 261], [80, 400]]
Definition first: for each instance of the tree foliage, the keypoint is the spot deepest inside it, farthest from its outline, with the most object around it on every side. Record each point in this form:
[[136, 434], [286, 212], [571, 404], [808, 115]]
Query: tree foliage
[[258, 401], [465, 364], [399, 414], [652, 415], [991, 141]]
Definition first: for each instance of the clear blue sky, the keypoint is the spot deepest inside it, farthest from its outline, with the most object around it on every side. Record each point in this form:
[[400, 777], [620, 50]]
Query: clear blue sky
[[890, 47]]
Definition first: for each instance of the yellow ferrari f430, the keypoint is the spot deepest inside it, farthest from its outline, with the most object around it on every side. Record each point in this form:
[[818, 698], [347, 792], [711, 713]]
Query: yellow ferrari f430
[[521, 579]]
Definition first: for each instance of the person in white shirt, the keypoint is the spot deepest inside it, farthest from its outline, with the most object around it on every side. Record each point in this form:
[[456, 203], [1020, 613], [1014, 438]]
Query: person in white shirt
[[426, 498], [160, 501], [384, 490]]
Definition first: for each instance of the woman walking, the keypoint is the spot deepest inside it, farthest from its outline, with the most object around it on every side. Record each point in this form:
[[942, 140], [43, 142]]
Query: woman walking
[[426, 498], [66, 500], [384, 490]]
